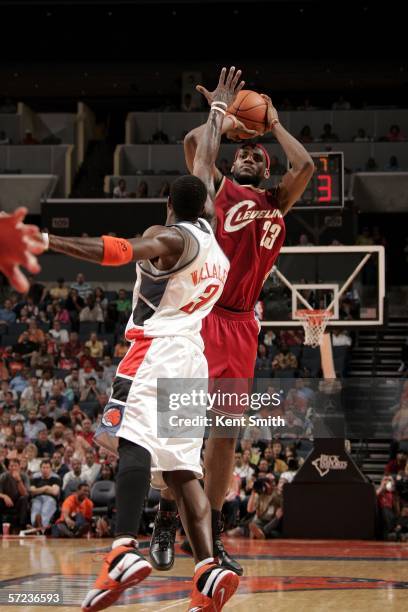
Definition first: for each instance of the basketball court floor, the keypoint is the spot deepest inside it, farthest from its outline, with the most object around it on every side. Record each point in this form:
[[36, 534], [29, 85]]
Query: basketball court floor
[[284, 575]]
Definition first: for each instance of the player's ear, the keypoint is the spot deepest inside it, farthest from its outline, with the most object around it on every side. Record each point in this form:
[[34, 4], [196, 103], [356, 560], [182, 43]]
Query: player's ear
[[267, 174]]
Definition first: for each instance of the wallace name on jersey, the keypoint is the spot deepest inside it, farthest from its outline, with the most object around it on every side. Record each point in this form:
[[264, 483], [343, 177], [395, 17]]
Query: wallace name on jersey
[[243, 213], [209, 271]]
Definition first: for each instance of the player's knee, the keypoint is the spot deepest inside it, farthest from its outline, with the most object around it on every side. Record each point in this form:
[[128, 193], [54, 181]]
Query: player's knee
[[133, 457]]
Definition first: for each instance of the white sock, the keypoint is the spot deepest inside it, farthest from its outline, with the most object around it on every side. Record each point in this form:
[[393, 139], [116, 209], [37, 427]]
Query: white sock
[[204, 562], [125, 541]]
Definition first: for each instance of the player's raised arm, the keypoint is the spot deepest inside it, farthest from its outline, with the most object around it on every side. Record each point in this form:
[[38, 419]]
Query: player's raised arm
[[297, 178], [231, 127], [222, 97], [157, 241]]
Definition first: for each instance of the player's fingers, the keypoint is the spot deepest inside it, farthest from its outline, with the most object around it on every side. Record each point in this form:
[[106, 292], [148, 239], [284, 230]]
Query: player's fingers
[[230, 76], [236, 78], [266, 98], [21, 211], [16, 278], [31, 229], [221, 80], [19, 214], [35, 246], [240, 86], [31, 263], [204, 92]]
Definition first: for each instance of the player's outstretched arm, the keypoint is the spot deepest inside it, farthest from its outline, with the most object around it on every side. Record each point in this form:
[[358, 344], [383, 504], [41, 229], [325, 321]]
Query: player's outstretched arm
[[297, 178], [222, 97], [19, 243], [157, 241]]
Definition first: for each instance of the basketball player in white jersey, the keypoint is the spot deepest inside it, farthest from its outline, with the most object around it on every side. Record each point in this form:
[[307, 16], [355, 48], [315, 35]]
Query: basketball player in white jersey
[[181, 272]]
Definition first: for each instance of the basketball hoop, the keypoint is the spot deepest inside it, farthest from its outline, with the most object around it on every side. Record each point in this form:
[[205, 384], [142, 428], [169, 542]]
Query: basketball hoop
[[314, 323]]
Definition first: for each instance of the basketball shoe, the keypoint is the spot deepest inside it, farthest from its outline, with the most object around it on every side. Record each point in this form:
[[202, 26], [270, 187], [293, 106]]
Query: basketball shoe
[[223, 557], [164, 534], [162, 540], [123, 567], [213, 586]]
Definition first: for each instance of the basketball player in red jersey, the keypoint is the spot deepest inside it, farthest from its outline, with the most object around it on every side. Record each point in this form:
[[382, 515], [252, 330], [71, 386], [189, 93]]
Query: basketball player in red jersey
[[251, 232]]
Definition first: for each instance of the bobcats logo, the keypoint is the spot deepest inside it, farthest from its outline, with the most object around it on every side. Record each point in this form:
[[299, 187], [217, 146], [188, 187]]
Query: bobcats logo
[[112, 417], [242, 214]]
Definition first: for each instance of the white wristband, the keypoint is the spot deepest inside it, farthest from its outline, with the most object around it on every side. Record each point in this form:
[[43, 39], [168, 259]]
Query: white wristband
[[217, 108], [220, 103], [46, 240]]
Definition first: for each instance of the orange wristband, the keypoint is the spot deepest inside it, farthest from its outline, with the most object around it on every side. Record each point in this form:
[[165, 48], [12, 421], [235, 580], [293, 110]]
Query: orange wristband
[[116, 251]]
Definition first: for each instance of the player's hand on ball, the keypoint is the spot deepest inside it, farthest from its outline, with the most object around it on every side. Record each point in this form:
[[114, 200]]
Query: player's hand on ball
[[238, 128], [227, 89], [272, 114]]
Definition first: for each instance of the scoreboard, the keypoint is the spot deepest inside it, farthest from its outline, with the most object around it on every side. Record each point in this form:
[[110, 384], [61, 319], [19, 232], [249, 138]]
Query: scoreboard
[[326, 187]]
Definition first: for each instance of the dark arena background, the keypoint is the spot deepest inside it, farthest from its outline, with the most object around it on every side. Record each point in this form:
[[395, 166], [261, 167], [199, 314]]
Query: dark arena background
[[96, 98]]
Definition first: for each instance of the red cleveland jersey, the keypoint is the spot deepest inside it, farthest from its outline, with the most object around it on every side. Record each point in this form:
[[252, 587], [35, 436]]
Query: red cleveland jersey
[[250, 231]]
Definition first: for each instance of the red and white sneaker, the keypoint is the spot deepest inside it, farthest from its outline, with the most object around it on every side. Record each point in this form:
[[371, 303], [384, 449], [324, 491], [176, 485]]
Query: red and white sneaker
[[122, 568], [213, 586]]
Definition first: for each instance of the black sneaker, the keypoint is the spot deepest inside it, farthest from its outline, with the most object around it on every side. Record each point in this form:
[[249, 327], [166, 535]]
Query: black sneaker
[[162, 540], [224, 559]]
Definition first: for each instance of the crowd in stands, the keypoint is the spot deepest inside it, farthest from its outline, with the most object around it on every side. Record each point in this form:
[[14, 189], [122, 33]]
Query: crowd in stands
[[57, 363]]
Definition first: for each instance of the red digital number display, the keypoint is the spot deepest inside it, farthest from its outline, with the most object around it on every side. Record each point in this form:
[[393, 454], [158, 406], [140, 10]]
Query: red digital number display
[[324, 188]]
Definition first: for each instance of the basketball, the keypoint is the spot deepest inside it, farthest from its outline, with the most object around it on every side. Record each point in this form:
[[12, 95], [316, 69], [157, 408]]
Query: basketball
[[250, 108]]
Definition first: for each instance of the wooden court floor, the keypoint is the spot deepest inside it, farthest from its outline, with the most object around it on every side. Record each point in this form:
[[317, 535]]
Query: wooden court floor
[[284, 575]]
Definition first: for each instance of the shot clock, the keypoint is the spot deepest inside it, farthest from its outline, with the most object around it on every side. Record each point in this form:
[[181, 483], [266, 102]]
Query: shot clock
[[326, 187]]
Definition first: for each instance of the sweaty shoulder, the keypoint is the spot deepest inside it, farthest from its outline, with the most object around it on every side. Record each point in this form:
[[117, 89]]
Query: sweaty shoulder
[[154, 230], [165, 233]]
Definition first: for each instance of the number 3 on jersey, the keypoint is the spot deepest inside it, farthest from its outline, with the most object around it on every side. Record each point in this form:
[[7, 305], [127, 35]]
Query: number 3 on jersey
[[201, 300], [270, 233]]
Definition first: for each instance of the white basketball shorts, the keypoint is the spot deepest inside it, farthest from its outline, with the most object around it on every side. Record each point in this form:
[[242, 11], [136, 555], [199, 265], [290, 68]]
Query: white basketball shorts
[[131, 412]]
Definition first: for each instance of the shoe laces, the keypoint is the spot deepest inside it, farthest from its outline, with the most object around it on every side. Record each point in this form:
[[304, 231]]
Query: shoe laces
[[164, 530]]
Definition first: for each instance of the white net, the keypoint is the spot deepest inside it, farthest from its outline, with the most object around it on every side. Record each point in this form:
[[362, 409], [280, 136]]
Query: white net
[[314, 323]]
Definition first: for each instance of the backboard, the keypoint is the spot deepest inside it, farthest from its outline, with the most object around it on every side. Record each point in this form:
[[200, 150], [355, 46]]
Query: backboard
[[349, 280]]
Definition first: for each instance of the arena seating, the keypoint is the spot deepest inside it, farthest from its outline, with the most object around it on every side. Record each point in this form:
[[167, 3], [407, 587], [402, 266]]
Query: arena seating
[[140, 127]]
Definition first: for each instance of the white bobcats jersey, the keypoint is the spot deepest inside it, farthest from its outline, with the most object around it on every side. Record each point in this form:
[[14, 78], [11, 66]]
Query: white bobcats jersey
[[174, 302]]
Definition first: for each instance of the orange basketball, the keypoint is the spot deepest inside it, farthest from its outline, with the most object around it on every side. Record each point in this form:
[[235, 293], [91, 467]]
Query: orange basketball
[[250, 108]]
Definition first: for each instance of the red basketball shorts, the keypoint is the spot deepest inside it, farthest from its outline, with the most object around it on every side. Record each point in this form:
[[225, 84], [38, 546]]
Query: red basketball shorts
[[231, 344]]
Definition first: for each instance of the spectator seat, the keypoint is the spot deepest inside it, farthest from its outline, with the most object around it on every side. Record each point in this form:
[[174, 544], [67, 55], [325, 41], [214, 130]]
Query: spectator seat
[[103, 495]]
